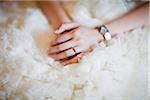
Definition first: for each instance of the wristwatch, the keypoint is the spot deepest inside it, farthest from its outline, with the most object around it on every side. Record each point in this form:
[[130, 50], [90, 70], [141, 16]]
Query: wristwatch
[[105, 32]]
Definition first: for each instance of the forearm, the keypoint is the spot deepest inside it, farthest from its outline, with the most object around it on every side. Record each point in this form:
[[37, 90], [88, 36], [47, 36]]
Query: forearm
[[54, 13], [130, 21]]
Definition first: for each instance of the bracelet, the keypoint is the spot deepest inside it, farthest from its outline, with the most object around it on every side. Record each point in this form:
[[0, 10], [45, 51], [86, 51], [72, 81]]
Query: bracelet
[[105, 32]]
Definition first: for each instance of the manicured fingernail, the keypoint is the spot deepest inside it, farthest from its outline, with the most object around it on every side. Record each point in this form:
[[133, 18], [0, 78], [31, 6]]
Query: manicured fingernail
[[56, 31]]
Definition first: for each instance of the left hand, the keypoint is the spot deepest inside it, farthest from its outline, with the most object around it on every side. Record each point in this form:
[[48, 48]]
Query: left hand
[[73, 44]]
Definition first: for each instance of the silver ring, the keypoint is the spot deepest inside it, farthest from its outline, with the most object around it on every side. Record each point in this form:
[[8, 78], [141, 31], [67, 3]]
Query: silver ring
[[74, 50], [79, 58]]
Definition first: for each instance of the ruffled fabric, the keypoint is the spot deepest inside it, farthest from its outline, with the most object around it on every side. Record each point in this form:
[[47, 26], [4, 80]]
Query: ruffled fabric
[[116, 72]]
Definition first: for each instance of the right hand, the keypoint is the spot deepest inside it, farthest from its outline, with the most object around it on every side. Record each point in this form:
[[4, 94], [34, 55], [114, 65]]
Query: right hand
[[76, 42]]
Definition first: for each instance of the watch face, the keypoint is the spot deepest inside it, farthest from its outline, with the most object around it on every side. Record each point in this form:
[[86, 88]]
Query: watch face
[[107, 36], [103, 30]]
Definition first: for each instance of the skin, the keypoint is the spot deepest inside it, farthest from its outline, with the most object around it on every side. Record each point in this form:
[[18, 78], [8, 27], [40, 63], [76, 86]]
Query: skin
[[73, 40]]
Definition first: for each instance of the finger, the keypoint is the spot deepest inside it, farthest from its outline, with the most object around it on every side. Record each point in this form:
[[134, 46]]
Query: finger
[[66, 27], [72, 60], [62, 38], [67, 53], [78, 49], [63, 46], [63, 55], [89, 50]]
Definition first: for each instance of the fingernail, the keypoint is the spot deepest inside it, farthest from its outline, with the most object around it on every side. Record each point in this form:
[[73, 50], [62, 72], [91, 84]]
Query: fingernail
[[56, 31]]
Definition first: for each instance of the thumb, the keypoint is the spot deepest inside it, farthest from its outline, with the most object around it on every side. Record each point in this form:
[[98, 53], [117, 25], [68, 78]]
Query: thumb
[[66, 27]]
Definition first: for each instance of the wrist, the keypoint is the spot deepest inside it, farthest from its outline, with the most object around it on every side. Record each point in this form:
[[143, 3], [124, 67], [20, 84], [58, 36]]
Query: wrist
[[112, 29]]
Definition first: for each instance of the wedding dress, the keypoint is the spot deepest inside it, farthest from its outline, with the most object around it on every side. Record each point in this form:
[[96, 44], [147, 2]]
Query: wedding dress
[[116, 72]]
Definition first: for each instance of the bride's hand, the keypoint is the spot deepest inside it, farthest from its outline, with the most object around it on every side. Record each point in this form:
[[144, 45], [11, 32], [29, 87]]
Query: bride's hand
[[69, 46]]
